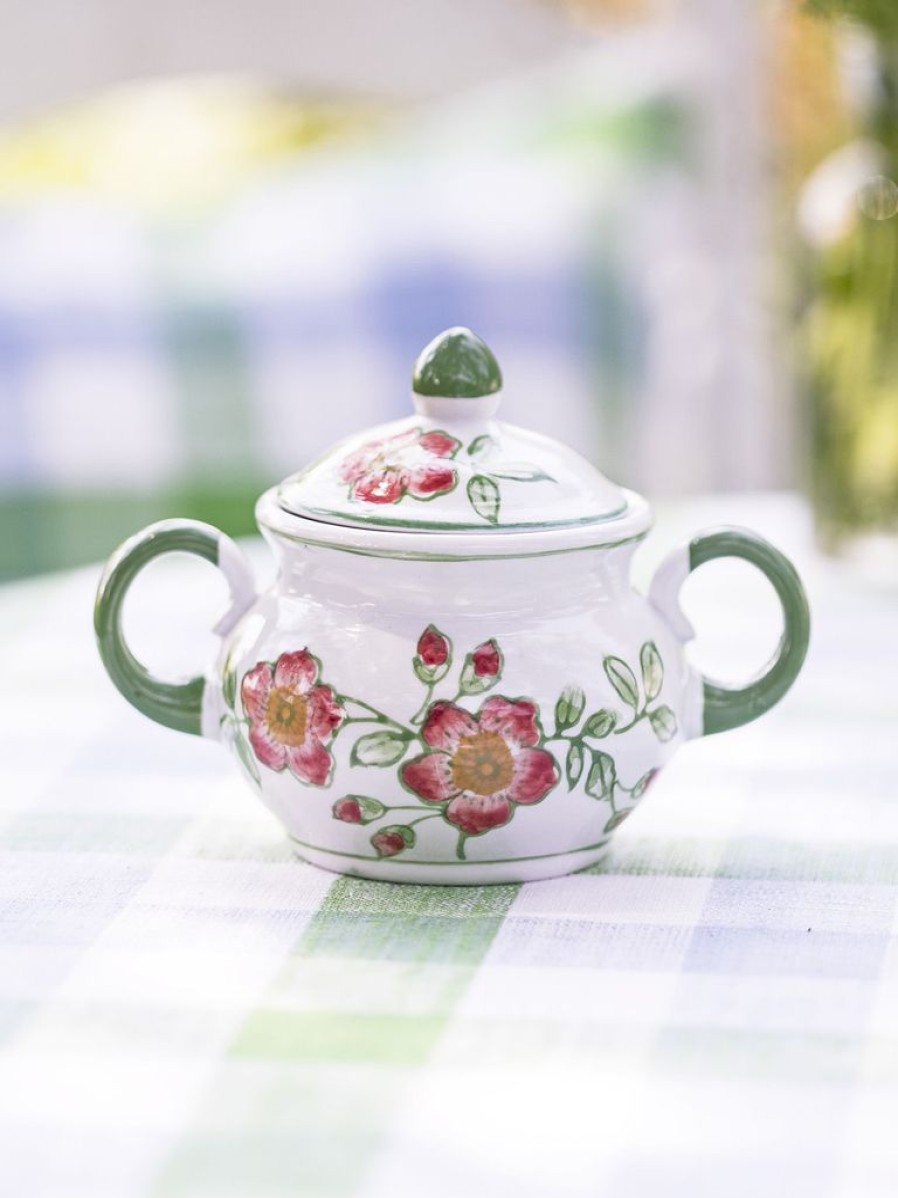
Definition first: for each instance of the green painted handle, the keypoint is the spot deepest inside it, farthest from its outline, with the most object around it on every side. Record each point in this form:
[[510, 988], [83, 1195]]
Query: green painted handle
[[177, 705], [728, 707]]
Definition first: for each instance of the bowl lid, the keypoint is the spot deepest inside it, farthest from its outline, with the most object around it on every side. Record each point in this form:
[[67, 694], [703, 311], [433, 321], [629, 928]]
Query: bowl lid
[[452, 466]]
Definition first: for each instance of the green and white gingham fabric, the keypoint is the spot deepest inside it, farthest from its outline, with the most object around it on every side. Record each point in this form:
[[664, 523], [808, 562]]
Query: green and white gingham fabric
[[187, 1011]]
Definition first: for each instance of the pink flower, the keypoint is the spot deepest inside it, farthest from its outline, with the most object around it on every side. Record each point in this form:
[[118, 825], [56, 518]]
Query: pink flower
[[291, 718], [486, 660], [348, 810], [481, 766], [433, 648], [410, 463]]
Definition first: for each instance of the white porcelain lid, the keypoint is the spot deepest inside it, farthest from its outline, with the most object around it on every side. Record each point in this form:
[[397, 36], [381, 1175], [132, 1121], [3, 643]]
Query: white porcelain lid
[[452, 466]]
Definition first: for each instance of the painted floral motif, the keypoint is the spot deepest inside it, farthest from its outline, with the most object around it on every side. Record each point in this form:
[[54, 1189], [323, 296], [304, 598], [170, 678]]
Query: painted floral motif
[[292, 716], [481, 766], [412, 463], [420, 465], [471, 769]]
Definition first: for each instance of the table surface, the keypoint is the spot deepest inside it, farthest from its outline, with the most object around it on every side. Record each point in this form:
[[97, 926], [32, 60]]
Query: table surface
[[187, 1011]]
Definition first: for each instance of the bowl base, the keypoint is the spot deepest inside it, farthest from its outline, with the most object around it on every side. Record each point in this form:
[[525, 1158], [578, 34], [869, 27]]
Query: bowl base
[[451, 873]]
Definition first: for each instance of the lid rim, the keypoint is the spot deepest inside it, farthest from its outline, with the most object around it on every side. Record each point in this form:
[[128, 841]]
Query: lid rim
[[376, 540], [423, 527]]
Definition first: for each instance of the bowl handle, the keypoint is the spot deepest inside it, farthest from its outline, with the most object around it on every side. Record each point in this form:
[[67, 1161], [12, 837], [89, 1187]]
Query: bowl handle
[[727, 707], [177, 705]]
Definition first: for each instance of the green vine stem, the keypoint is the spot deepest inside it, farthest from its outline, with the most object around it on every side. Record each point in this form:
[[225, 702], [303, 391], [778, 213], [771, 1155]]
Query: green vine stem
[[375, 717], [411, 823], [637, 717], [418, 717]]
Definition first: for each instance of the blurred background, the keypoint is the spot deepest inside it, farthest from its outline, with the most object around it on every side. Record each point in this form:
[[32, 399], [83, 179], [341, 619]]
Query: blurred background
[[226, 231]]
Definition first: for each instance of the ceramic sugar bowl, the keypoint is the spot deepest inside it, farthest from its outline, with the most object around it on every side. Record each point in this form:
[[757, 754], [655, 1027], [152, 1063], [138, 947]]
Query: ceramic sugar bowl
[[452, 679]]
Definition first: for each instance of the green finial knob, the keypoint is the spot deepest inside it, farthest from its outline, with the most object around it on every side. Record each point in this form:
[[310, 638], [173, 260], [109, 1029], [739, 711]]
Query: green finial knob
[[456, 365]]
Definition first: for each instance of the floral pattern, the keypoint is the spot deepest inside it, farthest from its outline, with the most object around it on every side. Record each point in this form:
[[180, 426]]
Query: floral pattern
[[421, 465], [292, 717], [468, 768], [481, 766], [412, 463]]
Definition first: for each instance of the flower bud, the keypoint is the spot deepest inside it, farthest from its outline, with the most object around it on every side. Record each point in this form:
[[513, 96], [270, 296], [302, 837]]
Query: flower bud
[[357, 809], [486, 660], [390, 841], [433, 647], [348, 810]]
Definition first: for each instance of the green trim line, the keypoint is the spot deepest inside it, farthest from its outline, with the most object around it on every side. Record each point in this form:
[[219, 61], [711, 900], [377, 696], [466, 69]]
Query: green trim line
[[335, 516], [728, 707], [176, 705], [413, 556], [410, 861]]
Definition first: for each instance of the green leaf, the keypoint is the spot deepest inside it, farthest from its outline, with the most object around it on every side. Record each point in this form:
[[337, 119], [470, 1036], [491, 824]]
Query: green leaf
[[664, 723], [637, 791], [229, 685], [617, 819], [470, 684], [600, 724], [569, 708], [430, 674], [623, 680], [602, 776], [245, 753], [378, 748], [422, 672], [523, 474], [652, 670], [574, 764], [484, 497], [480, 445]]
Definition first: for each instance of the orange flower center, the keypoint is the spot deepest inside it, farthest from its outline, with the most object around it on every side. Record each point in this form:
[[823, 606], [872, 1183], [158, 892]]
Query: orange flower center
[[482, 763], [286, 714]]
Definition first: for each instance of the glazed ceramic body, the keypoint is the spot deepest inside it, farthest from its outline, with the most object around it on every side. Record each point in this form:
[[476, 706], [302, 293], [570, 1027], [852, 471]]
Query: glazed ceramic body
[[452, 679], [480, 720]]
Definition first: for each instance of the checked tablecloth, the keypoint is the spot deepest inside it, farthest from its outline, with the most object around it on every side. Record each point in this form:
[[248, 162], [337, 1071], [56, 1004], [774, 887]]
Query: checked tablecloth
[[187, 1011]]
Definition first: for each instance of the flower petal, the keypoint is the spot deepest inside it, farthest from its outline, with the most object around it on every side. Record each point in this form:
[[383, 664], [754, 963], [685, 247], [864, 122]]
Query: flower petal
[[427, 481], [268, 750], [515, 719], [359, 463], [325, 713], [430, 777], [440, 444], [381, 486], [446, 724], [310, 762], [535, 773], [296, 671], [255, 688], [478, 813], [393, 446]]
